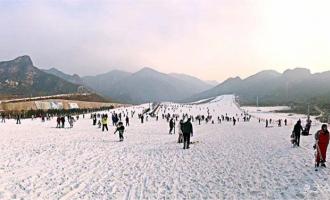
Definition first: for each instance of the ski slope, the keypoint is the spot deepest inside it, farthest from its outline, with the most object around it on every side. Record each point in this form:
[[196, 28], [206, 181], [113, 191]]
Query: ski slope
[[246, 161]]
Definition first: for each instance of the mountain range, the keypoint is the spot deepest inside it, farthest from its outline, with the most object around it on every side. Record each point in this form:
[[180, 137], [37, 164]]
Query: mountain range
[[297, 85], [20, 77], [142, 86]]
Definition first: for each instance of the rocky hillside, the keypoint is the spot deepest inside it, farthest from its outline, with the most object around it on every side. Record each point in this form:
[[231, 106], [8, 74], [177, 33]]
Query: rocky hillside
[[20, 77]]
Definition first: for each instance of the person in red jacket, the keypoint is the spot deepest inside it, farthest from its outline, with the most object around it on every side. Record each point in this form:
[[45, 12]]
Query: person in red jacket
[[322, 142]]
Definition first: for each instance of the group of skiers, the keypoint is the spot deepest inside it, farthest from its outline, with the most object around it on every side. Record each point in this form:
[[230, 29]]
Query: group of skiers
[[279, 122], [185, 131], [321, 140], [116, 121], [60, 120]]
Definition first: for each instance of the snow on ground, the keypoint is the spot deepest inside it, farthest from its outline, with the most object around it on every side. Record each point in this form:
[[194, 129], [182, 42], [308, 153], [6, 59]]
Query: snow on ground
[[266, 108], [201, 101], [246, 161], [269, 113]]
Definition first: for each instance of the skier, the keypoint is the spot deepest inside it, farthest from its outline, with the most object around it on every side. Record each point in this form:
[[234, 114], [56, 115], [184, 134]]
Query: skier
[[234, 121], [127, 120], [120, 128], [3, 118], [63, 121], [142, 118], [58, 120], [266, 123], [119, 116], [285, 122], [94, 119], [180, 139], [321, 145], [99, 124], [307, 127], [104, 123], [187, 131], [171, 125], [296, 131], [219, 120], [18, 119], [71, 120]]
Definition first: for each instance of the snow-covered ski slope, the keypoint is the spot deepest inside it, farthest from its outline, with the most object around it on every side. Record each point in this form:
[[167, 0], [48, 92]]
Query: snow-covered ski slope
[[246, 161]]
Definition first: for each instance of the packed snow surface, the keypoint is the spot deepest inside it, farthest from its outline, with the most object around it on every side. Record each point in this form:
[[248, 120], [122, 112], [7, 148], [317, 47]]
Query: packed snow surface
[[246, 161]]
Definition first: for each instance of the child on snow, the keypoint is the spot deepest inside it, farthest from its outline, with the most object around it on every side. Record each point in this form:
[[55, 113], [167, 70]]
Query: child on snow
[[71, 120], [120, 128]]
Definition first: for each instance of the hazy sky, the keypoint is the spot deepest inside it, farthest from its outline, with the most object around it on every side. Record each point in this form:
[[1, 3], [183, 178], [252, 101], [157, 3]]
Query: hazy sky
[[212, 40]]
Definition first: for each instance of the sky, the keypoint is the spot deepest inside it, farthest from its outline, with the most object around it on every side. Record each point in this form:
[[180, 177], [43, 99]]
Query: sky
[[212, 40]]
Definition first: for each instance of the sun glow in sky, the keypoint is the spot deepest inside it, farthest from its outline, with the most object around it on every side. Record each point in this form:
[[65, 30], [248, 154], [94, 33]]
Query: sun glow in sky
[[212, 40]]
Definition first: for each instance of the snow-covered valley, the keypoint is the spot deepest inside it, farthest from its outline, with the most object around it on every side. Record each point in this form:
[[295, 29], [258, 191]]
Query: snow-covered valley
[[245, 161]]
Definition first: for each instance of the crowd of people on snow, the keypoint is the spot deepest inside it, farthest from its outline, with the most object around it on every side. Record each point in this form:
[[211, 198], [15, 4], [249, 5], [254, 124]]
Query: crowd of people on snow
[[182, 124]]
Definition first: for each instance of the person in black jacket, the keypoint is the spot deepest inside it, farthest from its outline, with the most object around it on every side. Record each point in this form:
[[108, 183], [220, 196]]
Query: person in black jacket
[[120, 128], [127, 120], [18, 119], [296, 130], [187, 131], [171, 126], [3, 118]]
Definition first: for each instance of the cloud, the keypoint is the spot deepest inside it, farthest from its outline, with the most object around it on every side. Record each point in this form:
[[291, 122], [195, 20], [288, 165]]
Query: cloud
[[202, 38]]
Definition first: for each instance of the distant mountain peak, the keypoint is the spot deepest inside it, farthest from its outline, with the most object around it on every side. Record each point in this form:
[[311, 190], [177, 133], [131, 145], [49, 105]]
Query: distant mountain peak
[[237, 78], [269, 71], [298, 70], [24, 59], [147, 69], [297, 73], [212, 82], [54, 69], [29, 80]]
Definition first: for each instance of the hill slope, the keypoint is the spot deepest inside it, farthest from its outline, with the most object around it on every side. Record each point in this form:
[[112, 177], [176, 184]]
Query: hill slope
[[193, 81], [105, 83], [297, 85], [150, 85], [76, 79], [20, 77], [140, 87]]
